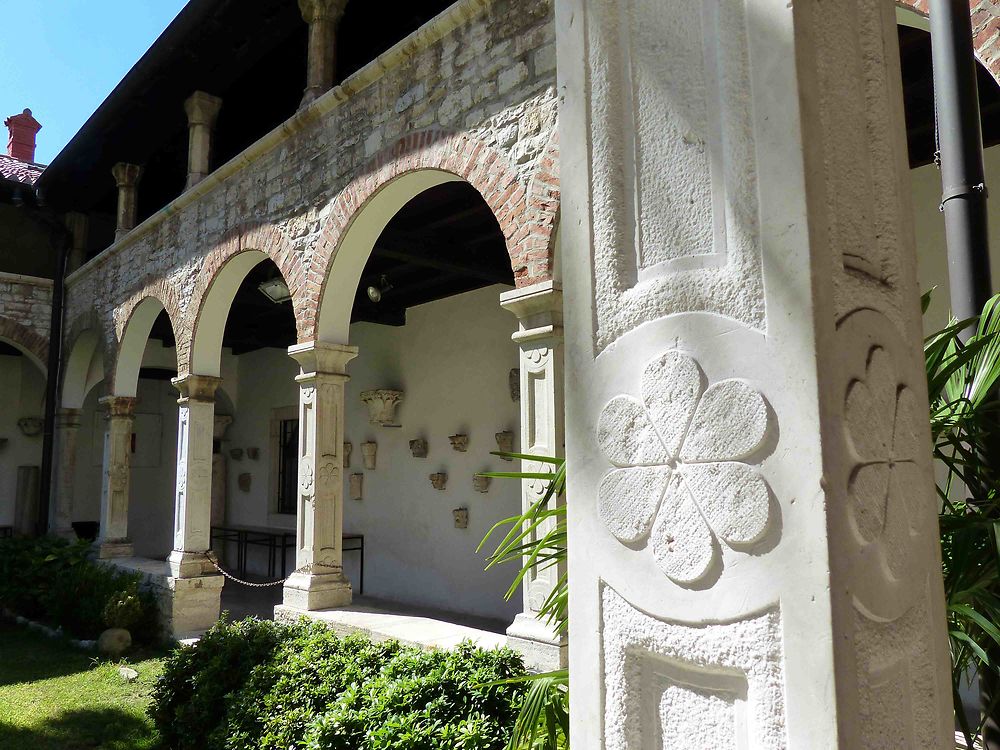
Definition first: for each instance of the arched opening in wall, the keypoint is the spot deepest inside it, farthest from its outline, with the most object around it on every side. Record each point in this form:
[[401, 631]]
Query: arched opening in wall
[[146, 361], [417, 280], [244, 328], [22, 383]]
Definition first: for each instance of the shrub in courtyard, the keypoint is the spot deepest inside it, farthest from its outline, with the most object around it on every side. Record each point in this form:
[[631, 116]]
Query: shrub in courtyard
[[268, 686], [51, 580]]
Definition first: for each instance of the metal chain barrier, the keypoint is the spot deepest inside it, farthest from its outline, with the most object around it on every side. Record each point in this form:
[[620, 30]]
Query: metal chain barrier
[[215, 563]]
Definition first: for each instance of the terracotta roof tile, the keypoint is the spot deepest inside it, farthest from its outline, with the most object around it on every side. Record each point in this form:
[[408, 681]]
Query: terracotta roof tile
[[16, 170]]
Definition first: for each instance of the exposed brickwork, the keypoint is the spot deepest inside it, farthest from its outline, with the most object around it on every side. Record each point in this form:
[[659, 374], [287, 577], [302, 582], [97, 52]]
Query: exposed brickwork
[[25, 312], [985, 29], [479, 102]]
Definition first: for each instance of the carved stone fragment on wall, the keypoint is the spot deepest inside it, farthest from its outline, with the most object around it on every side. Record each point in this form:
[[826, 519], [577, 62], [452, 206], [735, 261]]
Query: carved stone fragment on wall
[[243, 482], [382, 403], [357, 486], [505, 443], [459, 442], [347, 455], [30, 426], [461, 516], [514, 383], [368, 452], [481, 483], [439, 480], [418, 448]]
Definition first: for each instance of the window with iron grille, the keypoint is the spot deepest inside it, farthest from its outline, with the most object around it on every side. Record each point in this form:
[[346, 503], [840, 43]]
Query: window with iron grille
[[288, 465]]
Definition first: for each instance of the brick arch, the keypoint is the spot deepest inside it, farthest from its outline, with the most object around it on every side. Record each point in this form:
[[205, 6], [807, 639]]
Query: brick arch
[[484, 167], [163, 292], [265, 238], [25, 339], [538, 232], [985, 31]]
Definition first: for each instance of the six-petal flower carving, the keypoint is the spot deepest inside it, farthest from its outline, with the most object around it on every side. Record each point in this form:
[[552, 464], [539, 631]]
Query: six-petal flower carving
[[680, 475]]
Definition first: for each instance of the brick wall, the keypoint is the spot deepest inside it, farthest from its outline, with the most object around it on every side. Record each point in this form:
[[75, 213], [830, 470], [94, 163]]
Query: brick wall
[[487, 88], [25, 311]]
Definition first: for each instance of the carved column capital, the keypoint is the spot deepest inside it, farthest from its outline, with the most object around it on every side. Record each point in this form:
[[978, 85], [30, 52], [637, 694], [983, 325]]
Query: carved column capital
[[322, 10], [202, 109], [67, 419], [319, 358], [538, 309], [119, 406], [126, 175], [196, 388]]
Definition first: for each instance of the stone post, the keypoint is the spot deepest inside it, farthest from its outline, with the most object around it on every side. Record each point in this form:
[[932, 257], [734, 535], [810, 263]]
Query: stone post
[[78, 224], [202, 110], [318, 581], [193, 497], [114, 541], [322, 17], [540, 338], [753, 536], [127, 178], [67, 430]]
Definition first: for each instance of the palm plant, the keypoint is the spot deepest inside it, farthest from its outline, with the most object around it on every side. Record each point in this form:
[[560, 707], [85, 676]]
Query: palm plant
[[536, 541], [964, 417]]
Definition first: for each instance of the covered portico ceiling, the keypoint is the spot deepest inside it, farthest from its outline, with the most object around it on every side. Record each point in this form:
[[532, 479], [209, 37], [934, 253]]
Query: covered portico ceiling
[[443, 242]]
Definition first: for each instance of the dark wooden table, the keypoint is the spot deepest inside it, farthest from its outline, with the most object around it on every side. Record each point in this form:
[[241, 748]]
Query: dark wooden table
[[277, 541]]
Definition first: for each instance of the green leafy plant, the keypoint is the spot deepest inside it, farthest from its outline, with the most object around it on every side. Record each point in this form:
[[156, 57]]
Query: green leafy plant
[[536, 541], [122, 611], [260, 685], [51, 580], [962, 379]]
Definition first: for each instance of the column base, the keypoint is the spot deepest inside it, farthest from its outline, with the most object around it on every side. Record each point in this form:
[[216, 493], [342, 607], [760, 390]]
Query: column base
[[543, 649], [189, 606], [189, 564], [118, 548], [312, 591]]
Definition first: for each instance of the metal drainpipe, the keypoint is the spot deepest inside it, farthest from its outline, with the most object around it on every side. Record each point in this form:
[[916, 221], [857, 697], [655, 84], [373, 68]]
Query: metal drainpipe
[[62, 240], [963, 202]]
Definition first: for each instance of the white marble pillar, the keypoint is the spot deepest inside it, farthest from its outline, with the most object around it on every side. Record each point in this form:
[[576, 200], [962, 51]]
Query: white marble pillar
[[540, 339], [202, 110], [322, 17], [127, 178], [117, 472], [67, 430], [318, 581], [193, 496], [754, 554]]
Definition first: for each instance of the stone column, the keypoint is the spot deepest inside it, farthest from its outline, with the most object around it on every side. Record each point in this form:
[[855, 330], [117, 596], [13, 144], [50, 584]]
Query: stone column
[[114, 541], [753, 535], [322, 17], [78, 224], [67, 429], [318, 581], [193, 496], [127, 178], [540, 338], [202, 109]]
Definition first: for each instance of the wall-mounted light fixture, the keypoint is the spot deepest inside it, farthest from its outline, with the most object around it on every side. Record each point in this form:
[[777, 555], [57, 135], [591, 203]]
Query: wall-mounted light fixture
[[375, 292], [275, 290]]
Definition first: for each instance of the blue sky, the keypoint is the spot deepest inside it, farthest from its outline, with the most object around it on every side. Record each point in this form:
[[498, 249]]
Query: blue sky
[[61, 58]]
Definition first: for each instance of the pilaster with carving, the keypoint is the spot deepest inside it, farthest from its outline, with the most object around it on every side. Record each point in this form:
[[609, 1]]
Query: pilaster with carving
[[193, 489], [67, 430], [540, 340], [753, 534], [117, 472], [318, 581]]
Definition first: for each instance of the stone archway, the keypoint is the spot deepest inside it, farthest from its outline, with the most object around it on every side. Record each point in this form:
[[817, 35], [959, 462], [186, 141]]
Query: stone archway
[[34, 346]]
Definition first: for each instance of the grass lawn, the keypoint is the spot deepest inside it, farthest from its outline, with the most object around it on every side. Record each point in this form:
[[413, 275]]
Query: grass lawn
[[56, 697]]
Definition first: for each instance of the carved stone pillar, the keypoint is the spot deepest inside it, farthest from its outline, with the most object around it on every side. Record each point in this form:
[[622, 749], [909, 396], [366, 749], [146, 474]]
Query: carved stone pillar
[[322, 17], [67, 429], [193, 497], [318, 581], [753, 534], [78, 224], [540, 337], [127, 178], [202, 110], [114, 541]]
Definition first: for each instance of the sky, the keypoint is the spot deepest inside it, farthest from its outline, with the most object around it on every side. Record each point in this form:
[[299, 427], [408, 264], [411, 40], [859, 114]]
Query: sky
[[61, 58]]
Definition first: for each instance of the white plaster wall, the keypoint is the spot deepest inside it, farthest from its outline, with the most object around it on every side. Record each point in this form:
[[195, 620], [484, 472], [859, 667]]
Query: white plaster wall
[[21, 395], [932, 261], [452, 360]]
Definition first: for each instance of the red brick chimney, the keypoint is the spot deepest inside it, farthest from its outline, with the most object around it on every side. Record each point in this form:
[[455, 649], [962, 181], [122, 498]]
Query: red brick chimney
[[21, 142]]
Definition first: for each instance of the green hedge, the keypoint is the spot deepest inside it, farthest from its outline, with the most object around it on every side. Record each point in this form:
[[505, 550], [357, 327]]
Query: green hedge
[[51, 580], [258, 685]]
